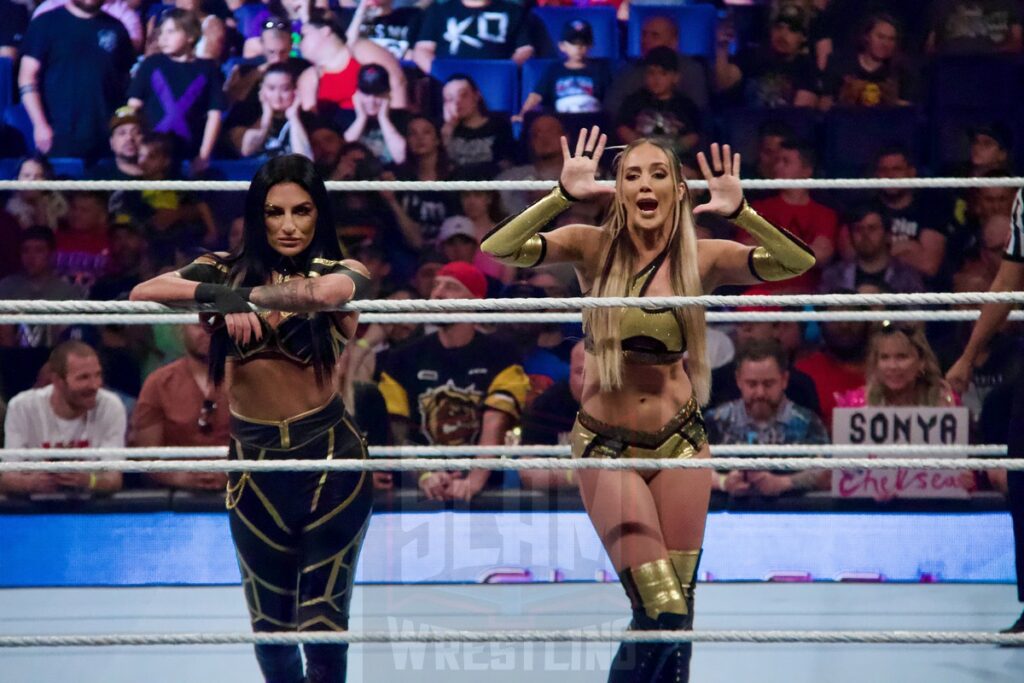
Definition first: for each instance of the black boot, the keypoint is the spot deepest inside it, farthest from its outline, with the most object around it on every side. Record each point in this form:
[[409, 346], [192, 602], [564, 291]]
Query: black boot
[[280, 663], [1018, 626], [326, 663]]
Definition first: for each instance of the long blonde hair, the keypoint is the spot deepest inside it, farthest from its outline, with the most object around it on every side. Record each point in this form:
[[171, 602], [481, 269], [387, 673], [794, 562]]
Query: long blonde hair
[[929, 386], [619, 264]]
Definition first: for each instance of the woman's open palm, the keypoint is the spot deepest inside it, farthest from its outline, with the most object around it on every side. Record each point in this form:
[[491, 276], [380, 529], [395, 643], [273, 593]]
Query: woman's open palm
[[723, 182], [579, 170]]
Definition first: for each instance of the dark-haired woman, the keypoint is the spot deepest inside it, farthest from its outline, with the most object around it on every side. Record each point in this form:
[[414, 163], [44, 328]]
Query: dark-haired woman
[[638, 399], [297, 534], [473, 137]]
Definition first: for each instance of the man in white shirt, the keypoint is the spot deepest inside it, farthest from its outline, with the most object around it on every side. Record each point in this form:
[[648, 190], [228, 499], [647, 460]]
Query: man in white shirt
[[72, 412]]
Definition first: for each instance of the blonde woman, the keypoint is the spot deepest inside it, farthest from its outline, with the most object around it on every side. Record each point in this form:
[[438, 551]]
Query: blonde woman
[[638, 400]]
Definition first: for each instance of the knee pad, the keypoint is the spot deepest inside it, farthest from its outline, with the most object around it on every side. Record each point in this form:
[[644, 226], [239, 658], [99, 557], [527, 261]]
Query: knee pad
[[655, 594], [685, 564]]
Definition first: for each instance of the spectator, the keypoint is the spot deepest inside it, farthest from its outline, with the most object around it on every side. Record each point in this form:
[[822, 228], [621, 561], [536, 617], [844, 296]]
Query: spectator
[[13, 22], [874, 76], [458, 242], [544, 141], [915, 217], [839, 365], [125, 139], [128, 265], [10, 233], [213, 34], [394, 29], [278, 126], [541, 359], [273, 46], [73, 76], [483, 208], [473, 29], [901, 370], [970, 214], [659, 32], [37, 279], [182, 95], [83, 244], [420, 212], [326, 142], [37, 207], [974, 27], [657, 110], [454, 387], [990, 147], [179, 406], [122, 10], [372, 352], [577, 85], [472, 136], [376, 125], [781, 75], [872, 263], [330, 83], [986, 255], [429, 265], [770, 137], [75, 411], [795, 210], [764, 415], [548, 421]]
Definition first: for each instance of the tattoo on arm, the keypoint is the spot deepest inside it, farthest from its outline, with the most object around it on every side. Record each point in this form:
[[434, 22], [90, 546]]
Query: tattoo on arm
[[297, 296]]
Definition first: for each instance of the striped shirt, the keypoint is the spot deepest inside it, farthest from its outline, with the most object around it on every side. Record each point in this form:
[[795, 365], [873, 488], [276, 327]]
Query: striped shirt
[[1015, 243]]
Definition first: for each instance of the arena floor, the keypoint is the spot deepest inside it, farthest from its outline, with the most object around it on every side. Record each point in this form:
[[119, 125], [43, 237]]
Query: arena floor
[[549, 606]]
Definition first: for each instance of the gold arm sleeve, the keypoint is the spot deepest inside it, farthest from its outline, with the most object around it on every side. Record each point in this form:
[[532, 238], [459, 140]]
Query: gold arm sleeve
[[781, 255], [515, 241]]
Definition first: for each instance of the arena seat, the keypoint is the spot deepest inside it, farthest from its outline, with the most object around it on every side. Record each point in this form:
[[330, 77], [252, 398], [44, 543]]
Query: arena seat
[[853, 136], [229, 169], [601, 19], [696, 27], [498, 79], [6, 82], [16, 117], [533, 71]]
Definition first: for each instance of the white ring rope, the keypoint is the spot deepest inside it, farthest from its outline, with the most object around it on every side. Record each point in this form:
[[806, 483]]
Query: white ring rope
[[19, 306], [493, 318], [522, 185], [519, 636], [718, 450], [435, 464]]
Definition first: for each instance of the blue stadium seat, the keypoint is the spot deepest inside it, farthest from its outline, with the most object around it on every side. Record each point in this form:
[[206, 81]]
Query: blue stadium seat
[[533, 71], [9, 168], [6, 82], [498, 79], [740, 127], [16, 117], [696, 27], [965, 81], [853, 136], [229, 169], [601, 19], [70, 168]]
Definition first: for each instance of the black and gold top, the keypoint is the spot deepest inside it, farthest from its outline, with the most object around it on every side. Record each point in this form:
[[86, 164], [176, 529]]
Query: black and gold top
[[649, 336], [293, 336]]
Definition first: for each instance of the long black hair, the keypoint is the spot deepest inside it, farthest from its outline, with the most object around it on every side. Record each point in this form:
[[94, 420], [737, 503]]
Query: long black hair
[[253, 261]]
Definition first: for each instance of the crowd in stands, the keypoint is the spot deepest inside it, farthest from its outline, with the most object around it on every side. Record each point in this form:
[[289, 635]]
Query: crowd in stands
[[483, 89]]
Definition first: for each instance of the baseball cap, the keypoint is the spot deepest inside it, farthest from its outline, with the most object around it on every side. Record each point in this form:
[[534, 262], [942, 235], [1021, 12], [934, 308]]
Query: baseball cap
[[373, 80], [469, 275], [122, 116], [578, 32], [454, 226], [793, 16], [997, 131]]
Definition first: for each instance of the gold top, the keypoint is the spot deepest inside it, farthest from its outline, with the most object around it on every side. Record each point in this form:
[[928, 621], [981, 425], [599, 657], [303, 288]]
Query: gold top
[[641, 326], [515, 241], [659, 589], [781, 255]]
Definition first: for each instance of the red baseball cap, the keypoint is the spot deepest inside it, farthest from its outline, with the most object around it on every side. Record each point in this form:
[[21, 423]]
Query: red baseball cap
[[469, 275]]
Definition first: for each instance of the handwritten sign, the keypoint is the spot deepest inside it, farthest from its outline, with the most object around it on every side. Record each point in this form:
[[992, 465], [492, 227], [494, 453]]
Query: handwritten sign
[[883, 426]]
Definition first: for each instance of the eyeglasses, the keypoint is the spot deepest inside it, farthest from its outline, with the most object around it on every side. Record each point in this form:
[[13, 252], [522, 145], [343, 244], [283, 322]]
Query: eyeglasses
[[205, 422], [278, 24], [894, 326]]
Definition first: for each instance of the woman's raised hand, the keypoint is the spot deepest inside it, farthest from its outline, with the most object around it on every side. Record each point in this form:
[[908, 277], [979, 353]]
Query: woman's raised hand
[[723, 183], [579, 170]]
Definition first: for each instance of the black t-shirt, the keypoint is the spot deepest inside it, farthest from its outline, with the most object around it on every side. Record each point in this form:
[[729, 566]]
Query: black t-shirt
[[428, 208], [279, 138], [550, 416], [485, 146], [973, 26], [769, 81], [373, 137], [491, 32], [852, 85], [176, 97], [396, 32], [13, 22], [929, 210], [85, 65], [106, 169], [574, 91], [371, 413], [668, 119]]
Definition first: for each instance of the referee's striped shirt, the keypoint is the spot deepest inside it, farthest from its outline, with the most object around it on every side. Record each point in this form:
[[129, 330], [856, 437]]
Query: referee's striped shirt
[[1015, 244]]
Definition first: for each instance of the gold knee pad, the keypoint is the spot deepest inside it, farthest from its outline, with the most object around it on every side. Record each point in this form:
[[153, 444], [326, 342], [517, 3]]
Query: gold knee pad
[[685, 563], [654, 587]]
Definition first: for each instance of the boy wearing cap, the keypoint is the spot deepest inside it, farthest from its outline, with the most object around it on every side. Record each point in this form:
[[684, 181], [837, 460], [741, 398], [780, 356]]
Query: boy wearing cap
[[657, 110], [575, 86], [454, 387], [375, 123]]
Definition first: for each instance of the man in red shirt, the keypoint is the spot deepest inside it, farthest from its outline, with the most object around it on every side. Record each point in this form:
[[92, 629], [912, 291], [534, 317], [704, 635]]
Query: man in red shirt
[[839, 365], [814, 223], [179, 407]]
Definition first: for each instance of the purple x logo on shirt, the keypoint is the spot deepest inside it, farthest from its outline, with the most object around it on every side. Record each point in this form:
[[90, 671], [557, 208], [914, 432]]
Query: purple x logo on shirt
[[175, 110]]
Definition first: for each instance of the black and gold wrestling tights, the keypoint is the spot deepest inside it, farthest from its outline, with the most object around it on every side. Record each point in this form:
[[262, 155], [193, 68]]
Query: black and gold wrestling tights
[[297, 536]]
